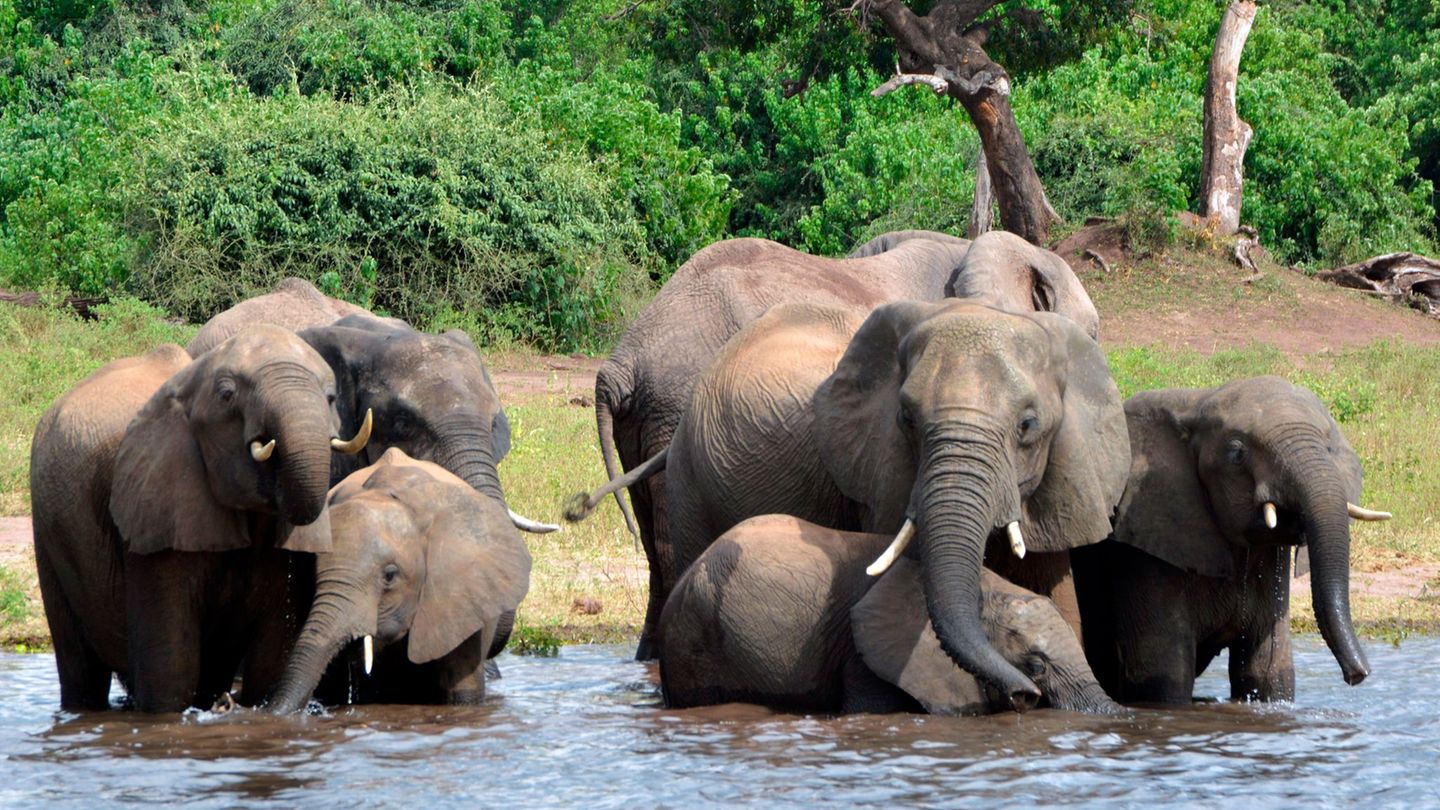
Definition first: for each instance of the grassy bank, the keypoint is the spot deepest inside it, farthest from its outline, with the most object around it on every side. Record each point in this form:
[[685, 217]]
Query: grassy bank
[[589, 580]]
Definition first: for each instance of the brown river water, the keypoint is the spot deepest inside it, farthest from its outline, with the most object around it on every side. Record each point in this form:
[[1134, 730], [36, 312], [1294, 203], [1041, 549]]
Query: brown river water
[[585, 730]]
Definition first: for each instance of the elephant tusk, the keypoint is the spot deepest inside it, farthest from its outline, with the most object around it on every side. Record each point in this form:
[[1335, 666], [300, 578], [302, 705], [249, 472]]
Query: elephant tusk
[[223, 704], [888, 557], [368, 645], [356, 444], [1361, 513], [1271, 519], [262, 452], [1017, 540], [525, 524]]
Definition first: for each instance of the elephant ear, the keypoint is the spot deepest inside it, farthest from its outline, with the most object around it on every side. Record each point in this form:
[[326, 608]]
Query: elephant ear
[[161, 498], [1165, 512], [1089, 462], [895, 640], [500, 435], [857, 429], [477, 568]]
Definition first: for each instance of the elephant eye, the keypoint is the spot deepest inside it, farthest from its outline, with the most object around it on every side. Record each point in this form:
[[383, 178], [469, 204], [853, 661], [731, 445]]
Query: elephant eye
[[906, 417], [225, 390], [1034, 664], [330, 399], [1029, 427], [1235, 452], [391, 573]]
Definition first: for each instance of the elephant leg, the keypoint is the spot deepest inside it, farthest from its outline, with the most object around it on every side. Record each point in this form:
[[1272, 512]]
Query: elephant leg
[[1157, 666], [84, 677], [1262, 666], [653, 517], [280, 590], [163, 609]]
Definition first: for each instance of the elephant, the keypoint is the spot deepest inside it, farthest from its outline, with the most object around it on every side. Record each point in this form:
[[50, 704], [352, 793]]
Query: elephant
[[423, 571], [431, 396], [781, 612], [165, 494], [642, 389], [294, 304], [892, 239], [951, 422], [1224, 482]]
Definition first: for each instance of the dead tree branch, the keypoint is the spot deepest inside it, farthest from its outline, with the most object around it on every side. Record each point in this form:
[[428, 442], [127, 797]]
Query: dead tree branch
[[1404, 277]]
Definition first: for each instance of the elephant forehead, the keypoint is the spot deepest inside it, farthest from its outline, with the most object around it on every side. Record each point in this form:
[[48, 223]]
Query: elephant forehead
[[993, 349], [372, 519], [433, 373]]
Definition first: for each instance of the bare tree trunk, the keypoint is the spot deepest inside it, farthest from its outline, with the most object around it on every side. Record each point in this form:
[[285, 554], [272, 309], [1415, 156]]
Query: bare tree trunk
[[983, 210], [946, 43], [1226, 136]]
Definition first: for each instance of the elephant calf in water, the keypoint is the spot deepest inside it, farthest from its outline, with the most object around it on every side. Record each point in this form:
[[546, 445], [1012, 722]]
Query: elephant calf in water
[[421, 583], [783, 613]]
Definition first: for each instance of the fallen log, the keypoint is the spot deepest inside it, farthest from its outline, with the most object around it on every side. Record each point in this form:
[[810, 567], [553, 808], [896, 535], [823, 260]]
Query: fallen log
[[1404, 277], [80, 304]]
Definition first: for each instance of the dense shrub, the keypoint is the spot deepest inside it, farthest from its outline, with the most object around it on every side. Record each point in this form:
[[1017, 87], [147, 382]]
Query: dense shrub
[[414, 201]]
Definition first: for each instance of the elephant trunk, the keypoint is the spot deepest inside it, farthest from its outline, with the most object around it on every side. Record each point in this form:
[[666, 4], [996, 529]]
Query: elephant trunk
[[468, 451], [336, 617], [300, 424], [1327, 529], [959, 491]]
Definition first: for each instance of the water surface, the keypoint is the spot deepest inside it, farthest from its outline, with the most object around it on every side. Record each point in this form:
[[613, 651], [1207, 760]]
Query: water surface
[[585, 729]]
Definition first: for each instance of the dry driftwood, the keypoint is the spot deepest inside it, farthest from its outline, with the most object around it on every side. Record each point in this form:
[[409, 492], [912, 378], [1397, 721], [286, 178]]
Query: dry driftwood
[[82, 306], [1407, 278]]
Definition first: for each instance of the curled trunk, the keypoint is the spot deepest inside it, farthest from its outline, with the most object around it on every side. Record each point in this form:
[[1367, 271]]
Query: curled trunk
[[959, 493], [468, 451], [300, 417]]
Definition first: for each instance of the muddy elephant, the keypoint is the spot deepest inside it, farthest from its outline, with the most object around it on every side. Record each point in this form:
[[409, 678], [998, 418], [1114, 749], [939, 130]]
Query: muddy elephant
[[1225, 483], [970, 430], [423, 575], [781, 612], [645, 385], [164, 496], [294, 304], [430, 394]]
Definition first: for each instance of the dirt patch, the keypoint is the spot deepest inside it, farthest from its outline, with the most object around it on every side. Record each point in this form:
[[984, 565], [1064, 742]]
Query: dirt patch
[[17, 548], [1097, 246], [572, 375]]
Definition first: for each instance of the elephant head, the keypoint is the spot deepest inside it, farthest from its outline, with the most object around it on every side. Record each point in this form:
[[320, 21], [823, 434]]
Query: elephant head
[[1008, 273], [896, 642], [958, 421], [417, 556], [1254, 462], [431, 396], [248, 427]]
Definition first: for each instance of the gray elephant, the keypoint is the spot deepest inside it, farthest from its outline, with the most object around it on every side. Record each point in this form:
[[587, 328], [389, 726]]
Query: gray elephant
[[952, 423], [782, 612], [645, 385], [893, 239], [294, 304], [164, 494], [431, 396], [1225, 482], [423, 575]]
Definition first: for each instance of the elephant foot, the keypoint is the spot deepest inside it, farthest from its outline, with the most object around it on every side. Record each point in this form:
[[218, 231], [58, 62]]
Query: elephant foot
[[648, 650]]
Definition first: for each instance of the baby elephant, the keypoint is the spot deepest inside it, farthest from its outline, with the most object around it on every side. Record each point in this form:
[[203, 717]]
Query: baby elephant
[[421, 583], [781, 612]]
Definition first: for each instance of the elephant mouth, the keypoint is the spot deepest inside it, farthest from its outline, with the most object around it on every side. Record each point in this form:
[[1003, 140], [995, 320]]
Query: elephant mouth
[[1289, 528]]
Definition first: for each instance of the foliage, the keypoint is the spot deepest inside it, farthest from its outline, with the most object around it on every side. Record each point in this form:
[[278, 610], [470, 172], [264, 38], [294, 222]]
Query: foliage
[[538, 641]]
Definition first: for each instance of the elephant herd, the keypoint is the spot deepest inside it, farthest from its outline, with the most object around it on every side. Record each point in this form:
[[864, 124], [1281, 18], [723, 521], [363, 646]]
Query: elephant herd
[[899, 481], [906, 480]]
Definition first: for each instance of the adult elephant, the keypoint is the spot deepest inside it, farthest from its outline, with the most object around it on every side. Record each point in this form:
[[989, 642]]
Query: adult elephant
[[781, 612], [645, 385], [1224, 483], [422, 573], [431, 397], [294, 304], [892, 239], [164, 494], [952, 422]]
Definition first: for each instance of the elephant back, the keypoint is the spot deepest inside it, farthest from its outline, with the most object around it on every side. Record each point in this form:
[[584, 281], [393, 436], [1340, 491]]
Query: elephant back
[[294, 304]]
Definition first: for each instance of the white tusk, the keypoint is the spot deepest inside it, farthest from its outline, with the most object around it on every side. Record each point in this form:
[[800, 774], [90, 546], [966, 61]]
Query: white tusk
[[1361, 513], [1271, 519], [888, 557], [369, 646], [357, 443], [525, 524], [261, 452], [1017, 540]]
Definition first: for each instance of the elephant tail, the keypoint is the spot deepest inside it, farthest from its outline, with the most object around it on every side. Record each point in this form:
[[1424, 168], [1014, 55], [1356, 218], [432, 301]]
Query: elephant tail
[[582, 504], [605, 422]]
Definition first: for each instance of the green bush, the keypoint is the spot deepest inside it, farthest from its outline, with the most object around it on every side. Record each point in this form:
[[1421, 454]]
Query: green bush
[[413, 201]]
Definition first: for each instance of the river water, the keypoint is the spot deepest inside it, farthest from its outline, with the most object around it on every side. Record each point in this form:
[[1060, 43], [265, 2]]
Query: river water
[[585, 729]]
